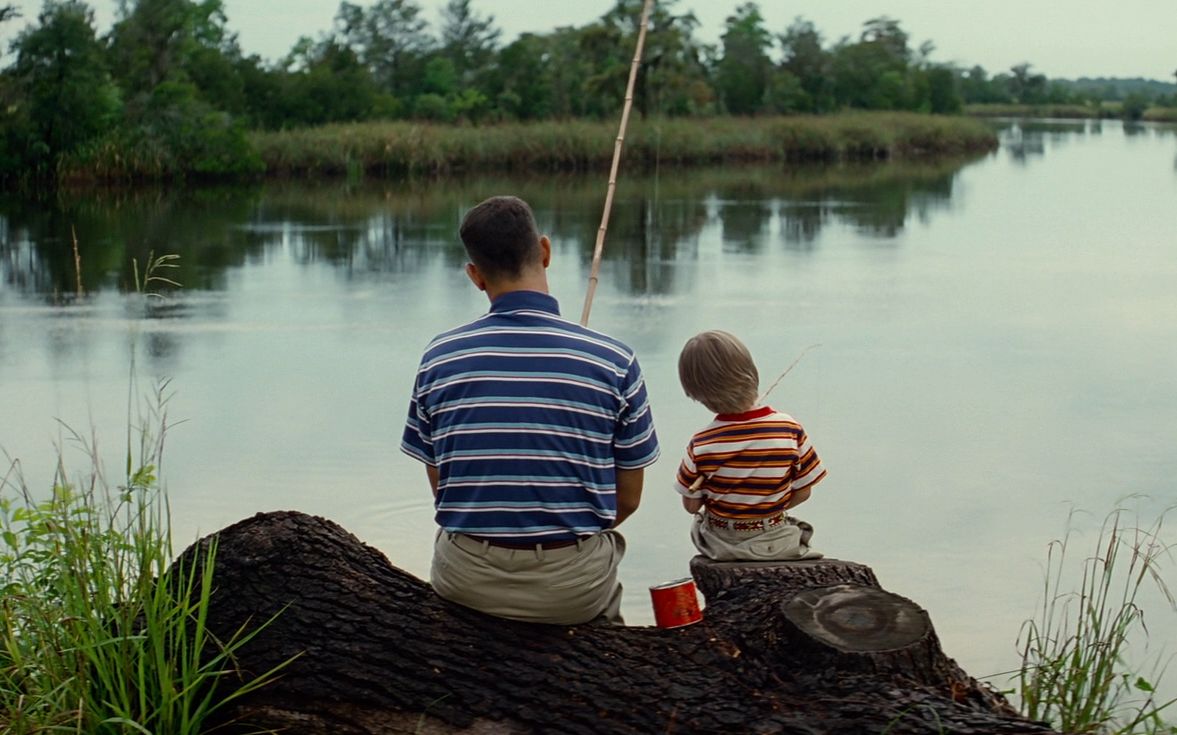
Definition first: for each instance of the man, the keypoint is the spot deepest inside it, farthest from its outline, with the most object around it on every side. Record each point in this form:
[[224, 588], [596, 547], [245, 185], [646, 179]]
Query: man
[[534, 432]]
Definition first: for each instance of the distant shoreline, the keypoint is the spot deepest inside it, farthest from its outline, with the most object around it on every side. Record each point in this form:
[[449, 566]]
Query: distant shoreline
[[398, 148], [1106, 111]]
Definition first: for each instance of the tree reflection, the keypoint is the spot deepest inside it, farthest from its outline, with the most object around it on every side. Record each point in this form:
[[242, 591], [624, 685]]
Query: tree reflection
[[375, 230]]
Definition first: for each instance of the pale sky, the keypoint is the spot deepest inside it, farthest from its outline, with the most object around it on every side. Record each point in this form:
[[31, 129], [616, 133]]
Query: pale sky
[[1060, 38]]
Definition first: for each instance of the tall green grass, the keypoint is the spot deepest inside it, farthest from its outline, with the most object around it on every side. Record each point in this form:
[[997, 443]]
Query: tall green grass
[[1059, 111], [384, 148], [1076, 670], [99, 632], [1161, 114]]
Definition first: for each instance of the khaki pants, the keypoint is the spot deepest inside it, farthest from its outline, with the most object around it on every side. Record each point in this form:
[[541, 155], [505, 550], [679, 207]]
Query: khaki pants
[[783, 542], [565, 586]]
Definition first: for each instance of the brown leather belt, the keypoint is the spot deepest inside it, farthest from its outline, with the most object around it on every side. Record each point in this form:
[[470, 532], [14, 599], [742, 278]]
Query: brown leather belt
[[745, 524], [545, 545]]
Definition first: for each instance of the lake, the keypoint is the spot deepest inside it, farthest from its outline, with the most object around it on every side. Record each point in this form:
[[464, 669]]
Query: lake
[[997, 345]]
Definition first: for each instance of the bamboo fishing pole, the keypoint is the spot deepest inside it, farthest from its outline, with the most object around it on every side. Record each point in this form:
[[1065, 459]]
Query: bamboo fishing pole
[[600, 247]]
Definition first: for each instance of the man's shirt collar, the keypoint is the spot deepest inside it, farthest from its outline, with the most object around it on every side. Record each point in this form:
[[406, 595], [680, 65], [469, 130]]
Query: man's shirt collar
[[524, 301]]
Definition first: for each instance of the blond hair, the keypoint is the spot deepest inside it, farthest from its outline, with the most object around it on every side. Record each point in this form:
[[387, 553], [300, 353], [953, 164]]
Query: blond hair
[[716, 369]]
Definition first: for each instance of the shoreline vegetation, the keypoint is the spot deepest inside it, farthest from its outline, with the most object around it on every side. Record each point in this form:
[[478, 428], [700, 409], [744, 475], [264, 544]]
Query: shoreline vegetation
[[1098, 111], [91, 642], [168, 94], [392, 148]]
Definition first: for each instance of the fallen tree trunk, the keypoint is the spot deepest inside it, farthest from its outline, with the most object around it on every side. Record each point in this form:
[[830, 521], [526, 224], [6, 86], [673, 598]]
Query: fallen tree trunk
[[821, 650]]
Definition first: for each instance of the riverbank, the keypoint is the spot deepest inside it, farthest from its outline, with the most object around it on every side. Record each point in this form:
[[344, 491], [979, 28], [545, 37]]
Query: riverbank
[[1106, 111], [408, 148], [397, 148]]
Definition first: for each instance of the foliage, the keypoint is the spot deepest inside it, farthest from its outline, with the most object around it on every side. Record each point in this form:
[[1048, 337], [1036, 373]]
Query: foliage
[[66, 95], [389, 38], [404, 147], [1134, 106], [743, 71], [168, 93], [97, 634], [1075, 672], [99, 631]]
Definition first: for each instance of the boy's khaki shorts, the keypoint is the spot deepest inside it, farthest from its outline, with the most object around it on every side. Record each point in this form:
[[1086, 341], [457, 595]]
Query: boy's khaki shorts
[[566, 586], [786, 541]]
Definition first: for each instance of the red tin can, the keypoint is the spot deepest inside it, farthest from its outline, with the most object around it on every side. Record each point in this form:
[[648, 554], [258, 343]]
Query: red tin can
[[675, 603]]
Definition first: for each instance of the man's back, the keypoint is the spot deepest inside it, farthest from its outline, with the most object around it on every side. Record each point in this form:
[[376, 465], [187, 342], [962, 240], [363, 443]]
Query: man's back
[[535, 433], [527, 416]]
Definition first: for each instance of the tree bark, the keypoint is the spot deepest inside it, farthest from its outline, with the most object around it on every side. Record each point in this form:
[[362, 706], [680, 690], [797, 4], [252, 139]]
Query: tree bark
[[811, 648]]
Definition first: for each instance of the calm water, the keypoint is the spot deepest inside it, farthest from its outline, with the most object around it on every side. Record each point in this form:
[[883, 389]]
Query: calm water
[[998, 344]]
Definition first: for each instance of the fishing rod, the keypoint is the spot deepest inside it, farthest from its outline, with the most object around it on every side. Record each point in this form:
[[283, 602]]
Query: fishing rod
[[600, 246]]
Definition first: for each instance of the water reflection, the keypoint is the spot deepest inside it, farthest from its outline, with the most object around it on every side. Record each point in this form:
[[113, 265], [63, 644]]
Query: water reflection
[[375, 229]]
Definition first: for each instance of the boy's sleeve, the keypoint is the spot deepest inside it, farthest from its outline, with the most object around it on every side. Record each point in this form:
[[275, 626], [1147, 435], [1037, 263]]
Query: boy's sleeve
[[635, 445], [417, 440], [688, 473], [810, 470]]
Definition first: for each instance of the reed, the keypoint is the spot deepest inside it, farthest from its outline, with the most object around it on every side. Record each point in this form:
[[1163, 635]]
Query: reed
[[1075, 670], [98, 634], [1042, 111], [99, 631], [384, 148], [1161, 114]]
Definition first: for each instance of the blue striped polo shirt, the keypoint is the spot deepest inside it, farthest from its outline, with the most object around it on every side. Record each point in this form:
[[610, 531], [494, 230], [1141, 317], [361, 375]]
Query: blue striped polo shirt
[[527, 417]]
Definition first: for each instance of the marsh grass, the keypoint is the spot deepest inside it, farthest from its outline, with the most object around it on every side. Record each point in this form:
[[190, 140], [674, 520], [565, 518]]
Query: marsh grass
[[1075, 671], [382, 148], [1161, 114], [99, 631]]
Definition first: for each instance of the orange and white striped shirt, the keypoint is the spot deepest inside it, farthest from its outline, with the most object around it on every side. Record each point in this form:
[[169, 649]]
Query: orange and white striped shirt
[[752, 463]]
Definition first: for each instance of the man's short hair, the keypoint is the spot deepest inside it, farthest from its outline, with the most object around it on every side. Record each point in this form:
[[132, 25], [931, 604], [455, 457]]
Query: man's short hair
[[717, 370], [501, 236]]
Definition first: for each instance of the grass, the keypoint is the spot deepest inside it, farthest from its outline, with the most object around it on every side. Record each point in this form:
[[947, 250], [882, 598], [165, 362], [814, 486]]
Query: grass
[[1104, 110], [1161, 114], [385, 148], [1075, 671], [99, 632], [1047, 111]]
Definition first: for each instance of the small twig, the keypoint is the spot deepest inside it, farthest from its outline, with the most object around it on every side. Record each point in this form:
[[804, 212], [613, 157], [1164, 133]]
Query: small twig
[[77, 264]]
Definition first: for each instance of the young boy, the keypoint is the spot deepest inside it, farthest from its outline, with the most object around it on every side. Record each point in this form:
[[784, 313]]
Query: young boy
[[748, 466]]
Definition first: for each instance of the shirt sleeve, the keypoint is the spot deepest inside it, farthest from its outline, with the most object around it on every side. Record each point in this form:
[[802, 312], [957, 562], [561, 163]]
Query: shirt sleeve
[[688, 473], [417, 440], [635, 445], [810, 470]]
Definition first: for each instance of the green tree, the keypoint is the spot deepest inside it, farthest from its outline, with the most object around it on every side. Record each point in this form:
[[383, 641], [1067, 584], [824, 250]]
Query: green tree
[[178, 66], [157, 41], [1026, 88], [61, 75], [977, 88], [324, 82], [468, 40], [389, 38], [525, 85], [744, 68], [943, 90], [875, 71], [809, 64], [673, 78], [1133, 106]]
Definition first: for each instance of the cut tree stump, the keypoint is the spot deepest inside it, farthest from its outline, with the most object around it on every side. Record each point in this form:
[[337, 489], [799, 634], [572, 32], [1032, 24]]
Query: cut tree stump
[[812, 647]]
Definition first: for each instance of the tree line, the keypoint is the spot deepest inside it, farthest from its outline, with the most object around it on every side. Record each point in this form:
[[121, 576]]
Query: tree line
[[170, 81]]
